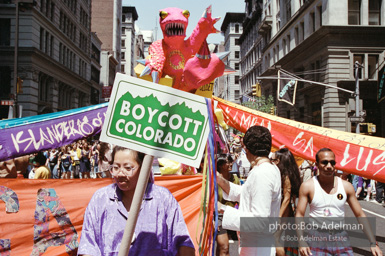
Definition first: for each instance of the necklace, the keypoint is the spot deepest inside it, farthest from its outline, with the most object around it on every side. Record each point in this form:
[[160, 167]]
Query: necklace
[[327, 212]]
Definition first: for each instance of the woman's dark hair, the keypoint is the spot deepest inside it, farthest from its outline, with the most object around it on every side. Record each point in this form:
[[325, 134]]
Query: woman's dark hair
[[257, 140], [288, 168], [139, 156]]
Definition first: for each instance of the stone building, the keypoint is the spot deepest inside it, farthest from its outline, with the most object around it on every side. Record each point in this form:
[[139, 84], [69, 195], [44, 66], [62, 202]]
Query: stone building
[[232, 30], [106, 22], [129, 16], [317, 40], [53, 55]]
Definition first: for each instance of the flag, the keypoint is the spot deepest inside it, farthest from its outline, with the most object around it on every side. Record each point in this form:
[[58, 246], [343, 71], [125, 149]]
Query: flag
[[381, 85], [286, 89]]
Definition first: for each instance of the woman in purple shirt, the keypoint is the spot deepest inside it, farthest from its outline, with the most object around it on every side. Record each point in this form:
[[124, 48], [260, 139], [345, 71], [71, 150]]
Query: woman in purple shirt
[[160, 228]]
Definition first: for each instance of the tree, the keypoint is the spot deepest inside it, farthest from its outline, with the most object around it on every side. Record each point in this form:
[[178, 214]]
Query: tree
[[261, 104]]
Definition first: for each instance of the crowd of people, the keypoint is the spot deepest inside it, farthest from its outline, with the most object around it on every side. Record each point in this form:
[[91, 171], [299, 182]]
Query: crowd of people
[[253, 181], [300, 185], [82, 159]]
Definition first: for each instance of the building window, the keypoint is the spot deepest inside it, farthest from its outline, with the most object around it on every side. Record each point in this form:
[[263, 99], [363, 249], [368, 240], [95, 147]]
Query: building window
[[43, 88], [236, 54], [47, 47], [60, 53], [374, 12], [123, 43], [122, 69], [288, 10], [319, 10], [123, 30], [52, 11], [95, 74], [236, 66], [41, 39], [51, 47], [372, 66], [302, 27], [5, 32], [288, 43], [236, 41], [236, 79], [312, 21], [277, 52], [236, 94], [123, 55], [236, 28], [354, 12]]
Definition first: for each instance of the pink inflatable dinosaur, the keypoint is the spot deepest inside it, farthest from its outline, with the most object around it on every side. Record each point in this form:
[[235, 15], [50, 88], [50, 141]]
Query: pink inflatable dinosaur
[[189, 61]]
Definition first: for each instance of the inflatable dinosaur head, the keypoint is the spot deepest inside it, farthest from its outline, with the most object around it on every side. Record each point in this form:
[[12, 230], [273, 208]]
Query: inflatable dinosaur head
[[173, 22]]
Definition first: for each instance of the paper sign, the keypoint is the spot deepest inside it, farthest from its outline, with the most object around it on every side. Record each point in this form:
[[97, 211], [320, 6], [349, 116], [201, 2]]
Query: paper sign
[[156, 120]]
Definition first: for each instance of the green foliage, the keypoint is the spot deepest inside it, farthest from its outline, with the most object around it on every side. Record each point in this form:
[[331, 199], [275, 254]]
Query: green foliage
[[261, 104]]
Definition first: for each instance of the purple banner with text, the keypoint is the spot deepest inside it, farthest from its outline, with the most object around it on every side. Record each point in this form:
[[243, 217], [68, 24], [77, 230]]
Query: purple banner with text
[[28, 135]]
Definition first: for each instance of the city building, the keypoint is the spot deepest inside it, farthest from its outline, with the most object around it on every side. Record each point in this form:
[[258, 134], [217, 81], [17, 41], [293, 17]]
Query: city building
[[96, 86], [106, 22], [321, 41], [149, 38], [220, 89], [52, 44], [232, 30], [139, 44], [129, 16]]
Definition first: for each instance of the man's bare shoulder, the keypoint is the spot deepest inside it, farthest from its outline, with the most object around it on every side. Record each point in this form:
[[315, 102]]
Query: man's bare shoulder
[[307, 186], [348, 186]]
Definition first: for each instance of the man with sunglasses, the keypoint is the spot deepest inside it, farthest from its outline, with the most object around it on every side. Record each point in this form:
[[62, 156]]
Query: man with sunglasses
[[326, 195]]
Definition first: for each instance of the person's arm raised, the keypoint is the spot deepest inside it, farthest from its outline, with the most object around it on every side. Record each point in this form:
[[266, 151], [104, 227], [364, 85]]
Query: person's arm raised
[[223, 183]]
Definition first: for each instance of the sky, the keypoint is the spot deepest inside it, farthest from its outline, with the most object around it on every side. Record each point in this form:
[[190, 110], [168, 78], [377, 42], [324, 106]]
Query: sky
[[148, 12]]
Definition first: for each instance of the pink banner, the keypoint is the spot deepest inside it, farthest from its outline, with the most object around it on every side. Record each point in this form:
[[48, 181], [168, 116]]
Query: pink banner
[[357, 154]]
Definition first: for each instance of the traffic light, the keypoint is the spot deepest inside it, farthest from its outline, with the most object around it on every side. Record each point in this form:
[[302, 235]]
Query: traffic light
[[272, 111], [367, 128], [256, 90], [19, 85]]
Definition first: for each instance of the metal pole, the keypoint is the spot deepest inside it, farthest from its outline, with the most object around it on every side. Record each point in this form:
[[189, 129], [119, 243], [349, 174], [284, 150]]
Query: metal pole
[[15, 59], [357, 94]]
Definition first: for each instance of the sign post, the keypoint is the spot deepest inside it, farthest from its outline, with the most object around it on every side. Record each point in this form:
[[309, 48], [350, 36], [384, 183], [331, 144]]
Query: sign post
[[158, 121]]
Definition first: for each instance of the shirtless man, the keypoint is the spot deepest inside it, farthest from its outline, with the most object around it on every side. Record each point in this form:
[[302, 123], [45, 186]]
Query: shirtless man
[[337, 192]]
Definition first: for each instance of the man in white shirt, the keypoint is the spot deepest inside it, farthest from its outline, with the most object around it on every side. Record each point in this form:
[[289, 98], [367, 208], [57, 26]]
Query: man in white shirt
[[260, 196]]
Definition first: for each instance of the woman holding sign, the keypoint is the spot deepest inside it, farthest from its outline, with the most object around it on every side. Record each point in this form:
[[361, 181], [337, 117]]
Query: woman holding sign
[[160, 228]]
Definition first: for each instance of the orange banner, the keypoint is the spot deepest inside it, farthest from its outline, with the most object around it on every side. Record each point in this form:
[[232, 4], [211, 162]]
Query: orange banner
[[357, 154], [45, 217]]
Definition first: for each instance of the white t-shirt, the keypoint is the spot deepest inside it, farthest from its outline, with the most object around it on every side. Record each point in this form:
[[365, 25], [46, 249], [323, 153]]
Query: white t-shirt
[[260, 196]]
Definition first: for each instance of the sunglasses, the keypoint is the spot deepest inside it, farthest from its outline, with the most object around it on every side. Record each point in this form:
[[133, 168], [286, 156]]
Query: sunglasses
[[326, 162]]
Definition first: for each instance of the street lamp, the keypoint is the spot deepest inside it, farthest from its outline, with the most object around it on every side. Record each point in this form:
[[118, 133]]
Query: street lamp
[[358, 115]]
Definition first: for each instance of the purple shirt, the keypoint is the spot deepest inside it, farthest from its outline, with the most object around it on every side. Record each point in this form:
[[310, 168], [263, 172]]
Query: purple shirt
[[160, 229]]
